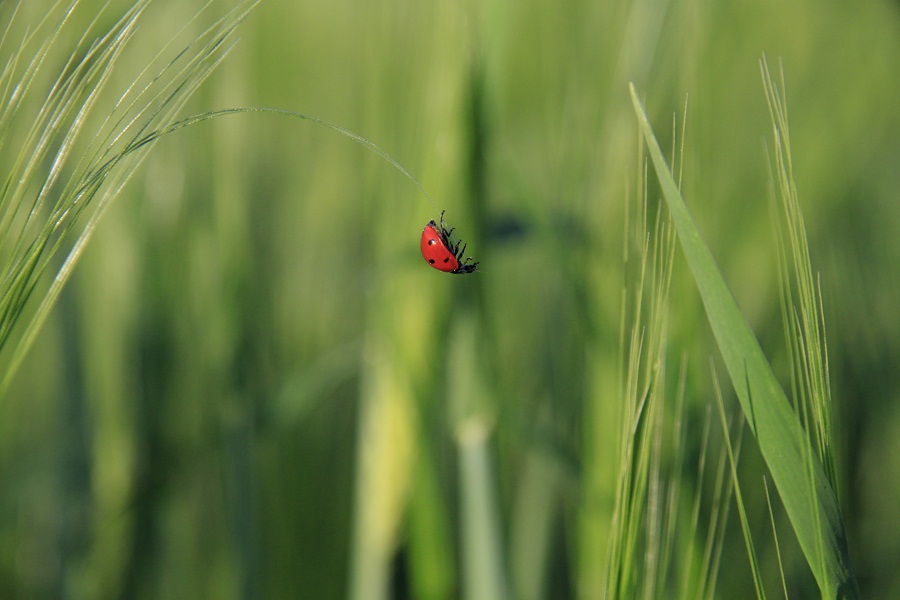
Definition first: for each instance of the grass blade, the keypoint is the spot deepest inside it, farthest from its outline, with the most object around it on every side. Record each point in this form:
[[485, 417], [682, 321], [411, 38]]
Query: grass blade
[[60, 217], [731, 451], [799, 477]]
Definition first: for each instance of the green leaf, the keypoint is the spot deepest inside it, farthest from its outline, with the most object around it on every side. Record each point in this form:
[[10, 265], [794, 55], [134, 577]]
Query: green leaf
[[804, 489]]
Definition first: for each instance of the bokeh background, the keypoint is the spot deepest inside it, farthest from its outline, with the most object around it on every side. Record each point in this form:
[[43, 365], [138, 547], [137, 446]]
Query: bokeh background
[[254, 387]]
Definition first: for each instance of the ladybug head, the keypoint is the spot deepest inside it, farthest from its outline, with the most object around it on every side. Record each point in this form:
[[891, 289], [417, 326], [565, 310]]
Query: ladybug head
[[466, 268]]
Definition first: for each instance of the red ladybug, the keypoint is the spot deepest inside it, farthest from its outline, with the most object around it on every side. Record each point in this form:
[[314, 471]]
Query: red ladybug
[[441, 253]]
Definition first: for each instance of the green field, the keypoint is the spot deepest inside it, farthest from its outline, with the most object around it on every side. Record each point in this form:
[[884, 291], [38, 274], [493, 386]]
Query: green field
[[251, 385]]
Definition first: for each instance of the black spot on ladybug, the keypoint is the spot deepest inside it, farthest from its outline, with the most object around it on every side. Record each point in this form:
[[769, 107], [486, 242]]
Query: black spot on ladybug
[[431, 261], [432, 243], [446, 260]]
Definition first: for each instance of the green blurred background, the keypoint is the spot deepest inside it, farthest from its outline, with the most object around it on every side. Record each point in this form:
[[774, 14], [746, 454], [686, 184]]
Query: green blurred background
[[254, 387]]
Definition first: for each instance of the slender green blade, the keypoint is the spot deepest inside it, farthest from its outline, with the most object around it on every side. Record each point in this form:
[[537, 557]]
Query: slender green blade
[[808, 498], [62, 216]]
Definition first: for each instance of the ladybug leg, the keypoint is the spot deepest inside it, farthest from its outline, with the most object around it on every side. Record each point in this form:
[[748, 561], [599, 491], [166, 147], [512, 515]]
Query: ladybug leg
[[444, 231], [459, 253]]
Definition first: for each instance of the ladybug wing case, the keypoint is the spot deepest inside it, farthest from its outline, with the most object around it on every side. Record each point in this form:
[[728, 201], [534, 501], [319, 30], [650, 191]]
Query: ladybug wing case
[[436, 251]]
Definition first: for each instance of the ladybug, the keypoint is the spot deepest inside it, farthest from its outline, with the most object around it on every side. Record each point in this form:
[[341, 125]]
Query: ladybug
[[441, 253]]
